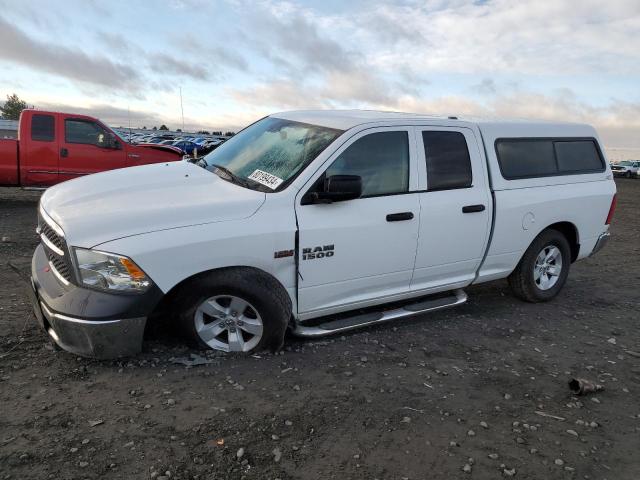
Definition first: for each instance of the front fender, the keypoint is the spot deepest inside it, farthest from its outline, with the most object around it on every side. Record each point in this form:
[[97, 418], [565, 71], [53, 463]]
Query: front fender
[[171, 256]]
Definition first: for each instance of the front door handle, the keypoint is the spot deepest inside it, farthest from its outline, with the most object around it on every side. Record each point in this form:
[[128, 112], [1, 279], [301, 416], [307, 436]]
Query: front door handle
[[473, 208], [64, 152], [399, 217]]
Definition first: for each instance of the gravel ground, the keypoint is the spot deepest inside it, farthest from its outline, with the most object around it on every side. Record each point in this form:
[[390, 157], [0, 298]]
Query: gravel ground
[[453, 394]]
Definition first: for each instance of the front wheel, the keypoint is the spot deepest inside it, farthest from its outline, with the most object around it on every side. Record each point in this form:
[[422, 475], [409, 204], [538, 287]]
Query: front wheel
[[628, 174], [543, 269], [238, 310]]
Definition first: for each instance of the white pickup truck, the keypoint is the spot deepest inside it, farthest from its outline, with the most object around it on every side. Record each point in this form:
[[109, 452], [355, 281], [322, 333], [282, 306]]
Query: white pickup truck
[[626, 168], [318, 222]]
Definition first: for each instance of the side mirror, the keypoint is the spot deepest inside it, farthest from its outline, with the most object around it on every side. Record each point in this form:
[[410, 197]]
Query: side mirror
[[335, 188]]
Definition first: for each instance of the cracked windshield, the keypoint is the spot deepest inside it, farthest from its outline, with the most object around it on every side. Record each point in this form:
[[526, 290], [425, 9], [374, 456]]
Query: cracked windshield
[[271, 152]]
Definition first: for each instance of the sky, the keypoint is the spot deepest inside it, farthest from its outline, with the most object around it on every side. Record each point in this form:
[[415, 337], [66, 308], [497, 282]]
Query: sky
[[237, 61]]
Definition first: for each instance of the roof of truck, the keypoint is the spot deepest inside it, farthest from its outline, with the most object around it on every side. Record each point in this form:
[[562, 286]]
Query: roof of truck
[[345, 119]]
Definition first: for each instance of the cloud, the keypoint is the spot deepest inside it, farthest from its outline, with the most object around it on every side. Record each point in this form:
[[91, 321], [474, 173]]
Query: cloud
[[121, 117], [486, 87], [109, 114], [168, 65], [545, 37], [280, 94], [160, 63], [616, 121], [73, 64], [355, 86], [117, 43], [219, 56], [240, 61], [294, 33]]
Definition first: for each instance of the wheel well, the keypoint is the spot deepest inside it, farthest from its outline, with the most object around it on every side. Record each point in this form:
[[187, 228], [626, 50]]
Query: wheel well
[[570, 232], [165, 306]]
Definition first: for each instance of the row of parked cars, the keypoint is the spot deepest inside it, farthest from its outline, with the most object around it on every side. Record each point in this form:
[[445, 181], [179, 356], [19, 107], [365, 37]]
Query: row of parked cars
[[626, 168], [192, 145]]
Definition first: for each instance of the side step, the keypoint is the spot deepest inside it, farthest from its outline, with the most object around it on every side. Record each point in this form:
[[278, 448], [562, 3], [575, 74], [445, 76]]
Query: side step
[[373, 318]]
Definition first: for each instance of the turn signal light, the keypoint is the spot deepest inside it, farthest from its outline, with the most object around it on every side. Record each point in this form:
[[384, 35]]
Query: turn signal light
[[132, 268]]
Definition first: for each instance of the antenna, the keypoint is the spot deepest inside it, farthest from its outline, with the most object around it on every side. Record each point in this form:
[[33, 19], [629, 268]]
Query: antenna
[[129, 120], [181, 109]]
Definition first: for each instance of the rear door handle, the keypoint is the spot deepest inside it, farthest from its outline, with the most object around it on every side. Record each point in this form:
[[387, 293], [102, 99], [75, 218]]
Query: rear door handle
[[399, 217], [64, 152], [473, 208]]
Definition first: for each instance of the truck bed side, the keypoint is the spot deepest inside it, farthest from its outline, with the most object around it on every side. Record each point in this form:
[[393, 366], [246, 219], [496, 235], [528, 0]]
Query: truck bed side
[[576, 202], [9, 162]]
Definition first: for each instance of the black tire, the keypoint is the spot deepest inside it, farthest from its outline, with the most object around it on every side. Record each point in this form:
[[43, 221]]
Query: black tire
[[262, 291], [628, 174], [522, 280]]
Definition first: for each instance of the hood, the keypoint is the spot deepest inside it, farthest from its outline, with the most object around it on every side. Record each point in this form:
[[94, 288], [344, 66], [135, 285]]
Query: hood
[[131, 201]]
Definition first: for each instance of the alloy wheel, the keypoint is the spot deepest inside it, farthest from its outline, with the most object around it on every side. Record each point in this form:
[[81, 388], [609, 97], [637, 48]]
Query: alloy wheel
[[548, 267], [228, 323]]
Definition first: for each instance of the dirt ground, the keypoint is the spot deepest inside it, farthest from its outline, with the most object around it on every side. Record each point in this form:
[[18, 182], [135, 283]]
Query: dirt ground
[[449, 395]]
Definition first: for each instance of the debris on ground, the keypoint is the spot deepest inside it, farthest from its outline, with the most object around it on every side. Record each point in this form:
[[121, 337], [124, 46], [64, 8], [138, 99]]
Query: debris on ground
[[548, 415], [582, 386], [196, 360]]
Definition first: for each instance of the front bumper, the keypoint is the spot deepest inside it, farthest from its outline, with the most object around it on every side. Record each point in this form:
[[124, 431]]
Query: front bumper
[[88, 322]]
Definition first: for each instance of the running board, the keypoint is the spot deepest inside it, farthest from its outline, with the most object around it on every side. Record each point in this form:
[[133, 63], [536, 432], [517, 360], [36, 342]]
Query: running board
[[366, 319]]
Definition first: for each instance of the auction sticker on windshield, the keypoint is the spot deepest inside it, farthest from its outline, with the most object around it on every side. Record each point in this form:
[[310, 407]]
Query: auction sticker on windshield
[[266, 179]]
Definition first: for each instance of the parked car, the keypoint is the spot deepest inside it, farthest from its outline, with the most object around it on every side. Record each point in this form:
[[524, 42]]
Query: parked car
[[187, 147], [211, 144], [156, 140], [320, 222], [626, 168], [54, 147]]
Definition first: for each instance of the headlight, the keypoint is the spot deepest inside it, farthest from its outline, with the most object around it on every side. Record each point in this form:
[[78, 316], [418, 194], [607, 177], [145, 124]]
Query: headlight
[[110, 272]]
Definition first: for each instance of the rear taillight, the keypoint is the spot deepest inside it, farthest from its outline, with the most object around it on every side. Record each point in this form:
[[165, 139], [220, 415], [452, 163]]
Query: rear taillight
[[612, 209]]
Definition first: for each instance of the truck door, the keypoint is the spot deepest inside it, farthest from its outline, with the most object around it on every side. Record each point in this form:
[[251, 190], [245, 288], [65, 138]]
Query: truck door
[[38, 150], [455, 208], [355, 251], [87, 147]]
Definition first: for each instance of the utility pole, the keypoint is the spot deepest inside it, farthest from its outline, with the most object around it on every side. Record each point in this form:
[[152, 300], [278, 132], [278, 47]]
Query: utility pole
[[181, 109]]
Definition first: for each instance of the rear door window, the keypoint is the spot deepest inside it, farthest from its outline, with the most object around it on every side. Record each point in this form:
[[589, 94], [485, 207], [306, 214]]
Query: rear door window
[[43, 128], [448, 161]]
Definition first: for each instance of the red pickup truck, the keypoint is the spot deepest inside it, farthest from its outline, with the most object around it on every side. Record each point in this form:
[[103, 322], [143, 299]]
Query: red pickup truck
[[53, 147]]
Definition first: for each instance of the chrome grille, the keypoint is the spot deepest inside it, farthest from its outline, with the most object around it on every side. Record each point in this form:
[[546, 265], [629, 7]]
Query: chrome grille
[[61, 266], [55, 247], [52, 236]]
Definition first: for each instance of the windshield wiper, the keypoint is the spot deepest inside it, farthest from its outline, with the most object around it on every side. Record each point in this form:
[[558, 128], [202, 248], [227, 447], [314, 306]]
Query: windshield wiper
[[232, 176]]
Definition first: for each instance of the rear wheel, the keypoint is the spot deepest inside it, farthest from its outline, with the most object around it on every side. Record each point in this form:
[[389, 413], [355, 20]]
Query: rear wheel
[[543, 269], [238, 310]]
